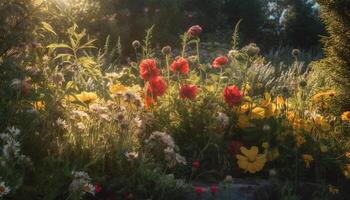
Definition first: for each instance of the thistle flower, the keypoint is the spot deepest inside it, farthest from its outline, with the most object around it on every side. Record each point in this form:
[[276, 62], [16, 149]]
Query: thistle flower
[[296, 52], [166, 50], [136, 44], [252, 49]]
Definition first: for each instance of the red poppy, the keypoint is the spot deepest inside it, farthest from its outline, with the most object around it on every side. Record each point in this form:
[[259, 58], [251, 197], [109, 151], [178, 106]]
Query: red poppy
[[232, 95], [194, 30], [148, 69], [98, 188], [199, 190], [156, 86], [220, 61], [180, 65], [196, 164], [149, 101], [214, 189], [188, 91], [235, 147]]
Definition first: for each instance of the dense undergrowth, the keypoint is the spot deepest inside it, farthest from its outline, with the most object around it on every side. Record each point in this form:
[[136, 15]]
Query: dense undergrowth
[[76, 124]]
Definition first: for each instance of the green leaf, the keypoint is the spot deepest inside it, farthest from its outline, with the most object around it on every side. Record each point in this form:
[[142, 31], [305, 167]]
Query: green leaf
[[48, 27], [58, 45]]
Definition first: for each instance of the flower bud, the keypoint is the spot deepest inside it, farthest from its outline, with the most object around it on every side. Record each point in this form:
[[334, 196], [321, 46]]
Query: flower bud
[[136, 44], [252, 50], [296, 52], [166, 50]]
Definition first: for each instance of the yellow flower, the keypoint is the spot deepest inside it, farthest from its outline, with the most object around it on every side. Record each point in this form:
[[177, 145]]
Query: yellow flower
[[265, 145], [280, 102], [271, 110], [333, 190], [87, 97], [243, 121], [117, 89], [291, 116], [347, 155], [322, 124], [39, 105], [307, 159], [245, 107], [266, 101], [347, 171], [258, 113], [346, 116], [323, 95], [251, 161]]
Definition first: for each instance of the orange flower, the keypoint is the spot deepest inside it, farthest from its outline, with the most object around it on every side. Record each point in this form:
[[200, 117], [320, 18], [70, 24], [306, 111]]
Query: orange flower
[[180, 65]]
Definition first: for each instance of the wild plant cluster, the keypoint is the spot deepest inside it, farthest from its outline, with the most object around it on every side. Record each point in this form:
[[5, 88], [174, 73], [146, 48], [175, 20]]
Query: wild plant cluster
[[77, 124]]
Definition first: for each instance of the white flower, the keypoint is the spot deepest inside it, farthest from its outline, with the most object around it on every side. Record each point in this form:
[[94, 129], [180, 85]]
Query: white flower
[[132, 155], [89, 188], [79, 113], [14, 131], [97, 108], [4, 190], [81, 175], [223, 119], [81, 125], [105, 117], [62, 123]]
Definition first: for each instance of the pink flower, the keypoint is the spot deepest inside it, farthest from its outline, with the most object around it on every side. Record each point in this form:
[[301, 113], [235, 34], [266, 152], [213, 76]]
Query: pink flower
[[98, 188], [196, 164], [194, 30], [199, 190], [214, 189]]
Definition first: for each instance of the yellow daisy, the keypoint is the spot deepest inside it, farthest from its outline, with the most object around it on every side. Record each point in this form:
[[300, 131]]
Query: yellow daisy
[[251, 161], [346, 116]]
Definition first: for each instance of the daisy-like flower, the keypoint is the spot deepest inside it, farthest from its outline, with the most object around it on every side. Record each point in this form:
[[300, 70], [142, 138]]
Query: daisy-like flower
[[87, 97], [89, 188], [4, 190], [251, 161], [346, 116]]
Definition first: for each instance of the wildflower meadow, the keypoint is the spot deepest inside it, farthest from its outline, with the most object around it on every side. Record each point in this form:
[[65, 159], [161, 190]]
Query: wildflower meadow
[[85, 114]]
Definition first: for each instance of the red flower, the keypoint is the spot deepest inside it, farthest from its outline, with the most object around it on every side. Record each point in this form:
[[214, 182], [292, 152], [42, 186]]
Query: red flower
[[199, 190], [196, 164], [194, 30], [214, 189], [156, 86], [149, 101], [188, 91], [180, 65], [148, 69], [98, 188], [232, 95], [235, 147], [220, 61]]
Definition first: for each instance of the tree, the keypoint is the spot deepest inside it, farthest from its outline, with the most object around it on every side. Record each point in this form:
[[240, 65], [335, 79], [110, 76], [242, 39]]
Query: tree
[[336, 65], [302, 24]]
